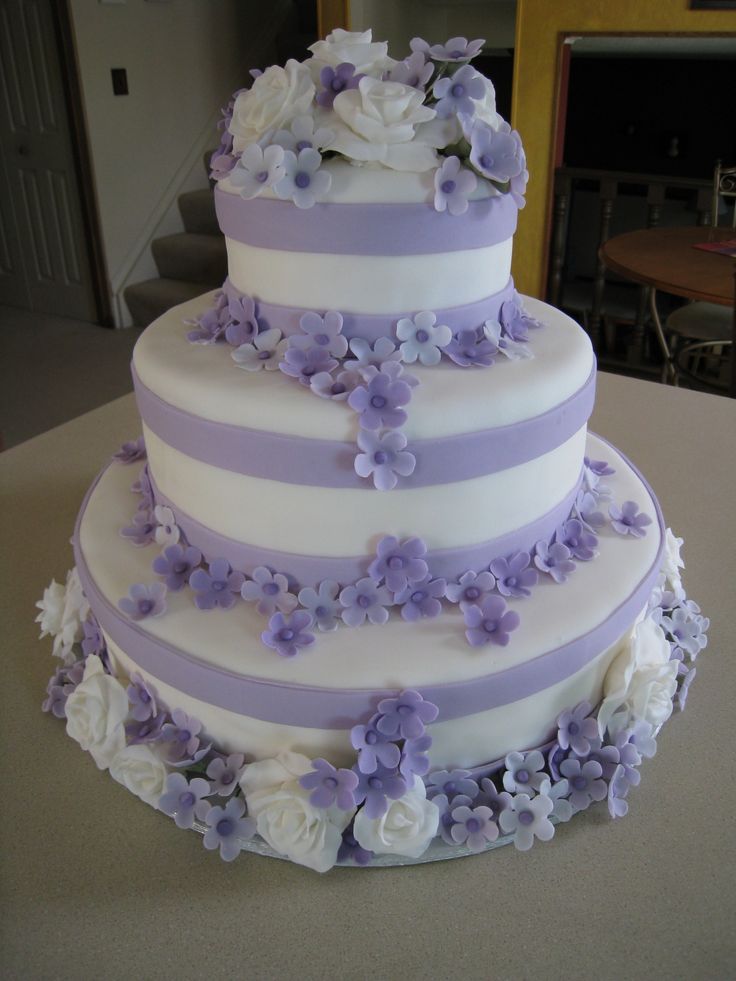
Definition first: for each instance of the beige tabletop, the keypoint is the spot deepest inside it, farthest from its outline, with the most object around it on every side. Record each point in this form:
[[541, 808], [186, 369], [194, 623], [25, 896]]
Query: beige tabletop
[[97, 885]]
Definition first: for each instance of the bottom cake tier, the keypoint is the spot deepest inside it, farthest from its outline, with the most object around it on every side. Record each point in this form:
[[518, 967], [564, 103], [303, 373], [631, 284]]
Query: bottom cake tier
[[379, 738]]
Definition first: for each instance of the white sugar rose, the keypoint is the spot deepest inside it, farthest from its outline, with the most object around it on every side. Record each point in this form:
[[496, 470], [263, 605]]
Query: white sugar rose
[[641, 681], [407, 827], [63, 611], [95, 713], [51, 606], [354, 47], [276, 97], [285, 818], [379, 122], [141, 771], [672, 561], [485, 108]]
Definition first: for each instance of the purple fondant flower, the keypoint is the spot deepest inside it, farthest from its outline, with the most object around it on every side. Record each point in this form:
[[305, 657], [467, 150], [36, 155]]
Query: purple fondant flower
[[322, 604], [399, 563], [421, 599], [585, 782], [222, 162], [495, 154], [365, 599], [524, 772], [489, 622], [586, 508], [218, 586], [182, 735], [526, 819], [304, 364], [382, 351], [148, 731], [554, 560], [513, 350], [415, 758], [131, 452], [142, 699], [513, 575], [61, 684], [471, 588], [453, 185], [385, 457], [266, 351], [474, 827], [351, 851], [445, 808], [618, 789], [210, 326], [607, 756], [628, 520], [226, 828], [451, 783], [142, 487], [330, 786], [576, 728], [559, 794], [422, 338], [456, 49], [288, 636], [324, 332], [457, 92], [468, 348], [414, 71], [242, 326], [335, 81], [301, 135], [93, 641], [177, 562], [144, 601], [601, 468], [257, 169], [513, 320], [183, 798], [167, 531], [490, 796], [337, 388], [373, 748], [376, 788], [270, 590], [581, 542], [518, 183], [303, 182], [379, 402], [142, 531], [406, 715], [225, 773]]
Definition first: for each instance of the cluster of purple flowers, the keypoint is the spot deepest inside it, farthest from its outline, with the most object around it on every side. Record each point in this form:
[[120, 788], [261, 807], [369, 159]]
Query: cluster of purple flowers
[[686, 630]]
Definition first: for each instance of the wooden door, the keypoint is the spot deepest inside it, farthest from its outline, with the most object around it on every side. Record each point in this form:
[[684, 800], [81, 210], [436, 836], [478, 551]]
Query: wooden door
[[44, 262]]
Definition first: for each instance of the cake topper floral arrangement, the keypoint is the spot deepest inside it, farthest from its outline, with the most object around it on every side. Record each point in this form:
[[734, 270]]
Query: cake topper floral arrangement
[[430, 112]]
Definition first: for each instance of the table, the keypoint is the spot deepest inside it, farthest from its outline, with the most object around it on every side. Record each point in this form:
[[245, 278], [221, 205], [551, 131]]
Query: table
[[664, 259], [96, 884]]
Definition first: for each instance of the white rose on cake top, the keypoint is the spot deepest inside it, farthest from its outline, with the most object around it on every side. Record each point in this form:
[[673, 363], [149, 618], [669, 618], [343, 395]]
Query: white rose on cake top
[[276, 98], [356, 48]]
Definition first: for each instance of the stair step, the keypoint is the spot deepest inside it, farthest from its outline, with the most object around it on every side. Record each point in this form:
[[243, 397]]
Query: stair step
[[191, 256], [148, 300], [197, 209]]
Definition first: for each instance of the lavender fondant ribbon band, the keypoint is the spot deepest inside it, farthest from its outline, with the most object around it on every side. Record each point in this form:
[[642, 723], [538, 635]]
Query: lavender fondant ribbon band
[[365, 229], [326, 708], [327, 463]]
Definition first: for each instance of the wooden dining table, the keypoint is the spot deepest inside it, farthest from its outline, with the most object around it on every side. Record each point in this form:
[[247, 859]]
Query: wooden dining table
[[666, 259]]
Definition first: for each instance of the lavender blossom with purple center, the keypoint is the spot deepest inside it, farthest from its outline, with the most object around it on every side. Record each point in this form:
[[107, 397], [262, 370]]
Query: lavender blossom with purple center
[[301, 135], [330, 787], [183, 799], [382, 351], [471, 588], [222, 161], [607, 756], [334, 81], [456, 93], [257, 169], [242, 325], [444, 808], [167, 531], [406, 715], [451, 783], [211, 325], [421, 599], [414, 71], [514, 576], [399, 563], [585, 780], [266, 352], [415, 758], [323, 332], [225, 772], [322, 604], [144, 601], [526, 819], [60, 686], [489, 622], [270, 590], [375, 789], [142, 531], [490, 796], [618, 790], [422, 338], [379, 402], [471, 347], [511, 349], [365, 599], [288, 635], [304, 182], [514, 321], [384, 457], [456, 49], [182, 736], [554, 560], [524, 772], [576, 728], [473, 827], [559, 794], [453, 185], [575, 536], [218, 586], [337, 388], [686, 630], [176, 563], [351, 851], [495, 154], [628, 520], [303, 365], [374, 748], [148, 731], [226, 828], [586, 508], [601, 468], [93, 641], [142, 699], [131, 451]]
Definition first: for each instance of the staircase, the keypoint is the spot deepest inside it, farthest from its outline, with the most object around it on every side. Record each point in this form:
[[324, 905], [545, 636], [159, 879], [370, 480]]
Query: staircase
[[189, 263]]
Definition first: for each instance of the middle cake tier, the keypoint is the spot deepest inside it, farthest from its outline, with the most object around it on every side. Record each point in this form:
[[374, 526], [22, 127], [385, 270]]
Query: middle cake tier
[[260, 471]]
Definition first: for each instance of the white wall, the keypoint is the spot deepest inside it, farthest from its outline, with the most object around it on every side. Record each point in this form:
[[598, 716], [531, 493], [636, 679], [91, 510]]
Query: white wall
[[183, 59], [398, 21]]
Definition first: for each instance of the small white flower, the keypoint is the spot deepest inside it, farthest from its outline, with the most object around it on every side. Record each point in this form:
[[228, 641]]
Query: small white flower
[[302, 135], [63, 611], [526, 819], [167, 532], [257, 169], [95, 713], [422, 338], [266, 351], [672, 561], [407, 827], [141, 771], [51, 606], [303, 181]]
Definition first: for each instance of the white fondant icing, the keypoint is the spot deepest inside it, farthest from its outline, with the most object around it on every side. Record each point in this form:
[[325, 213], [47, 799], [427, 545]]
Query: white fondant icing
[[342, 521], [367, 283]]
